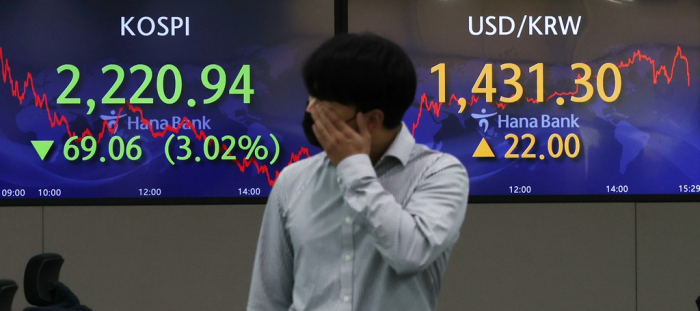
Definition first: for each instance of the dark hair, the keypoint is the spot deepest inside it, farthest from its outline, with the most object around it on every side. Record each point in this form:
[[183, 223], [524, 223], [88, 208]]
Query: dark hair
[[365, 71]]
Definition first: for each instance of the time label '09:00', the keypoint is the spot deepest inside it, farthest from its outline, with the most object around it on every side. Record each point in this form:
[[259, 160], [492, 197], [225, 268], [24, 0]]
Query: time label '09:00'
[[13, 193]]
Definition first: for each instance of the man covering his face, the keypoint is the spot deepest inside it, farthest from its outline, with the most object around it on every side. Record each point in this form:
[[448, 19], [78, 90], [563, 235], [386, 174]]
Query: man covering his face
[[368, 224]]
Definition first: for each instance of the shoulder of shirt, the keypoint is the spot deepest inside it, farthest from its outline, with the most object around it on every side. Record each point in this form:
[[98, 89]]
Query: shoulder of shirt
[[291, 174], [435, 160], [294, 176]]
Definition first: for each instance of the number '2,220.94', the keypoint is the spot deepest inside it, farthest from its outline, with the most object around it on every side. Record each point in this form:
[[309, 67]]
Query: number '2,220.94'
[[167, 70]]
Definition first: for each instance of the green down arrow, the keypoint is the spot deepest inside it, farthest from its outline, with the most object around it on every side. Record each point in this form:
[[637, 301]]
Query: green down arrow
[[42, 147]]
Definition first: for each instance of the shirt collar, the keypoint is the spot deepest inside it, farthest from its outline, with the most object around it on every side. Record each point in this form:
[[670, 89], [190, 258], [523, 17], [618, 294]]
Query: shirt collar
[[402, 146]]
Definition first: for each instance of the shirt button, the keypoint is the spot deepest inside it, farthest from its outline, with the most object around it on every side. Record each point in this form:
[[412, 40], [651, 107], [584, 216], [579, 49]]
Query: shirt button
[[348, 257], [339, 180], [348, 220], [346, 298]]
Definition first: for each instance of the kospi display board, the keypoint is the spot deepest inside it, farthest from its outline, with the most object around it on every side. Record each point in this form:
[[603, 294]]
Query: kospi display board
[[108, 100], [172, 102], [554, 100]]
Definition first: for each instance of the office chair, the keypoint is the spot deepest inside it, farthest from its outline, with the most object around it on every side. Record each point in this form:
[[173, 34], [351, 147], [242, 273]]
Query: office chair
[[41, 279], [42, 288], [8, 288]]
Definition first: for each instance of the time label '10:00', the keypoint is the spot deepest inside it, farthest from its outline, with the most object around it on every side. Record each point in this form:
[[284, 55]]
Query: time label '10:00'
[[49, 192]]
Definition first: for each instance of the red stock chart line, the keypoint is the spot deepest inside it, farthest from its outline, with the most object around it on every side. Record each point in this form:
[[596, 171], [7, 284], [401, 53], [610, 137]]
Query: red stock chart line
[[54, 119], [637, 56]]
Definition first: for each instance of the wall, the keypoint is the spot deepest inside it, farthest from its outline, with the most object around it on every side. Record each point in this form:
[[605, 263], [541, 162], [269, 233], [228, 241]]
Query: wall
[[593, 256], [21, 237]]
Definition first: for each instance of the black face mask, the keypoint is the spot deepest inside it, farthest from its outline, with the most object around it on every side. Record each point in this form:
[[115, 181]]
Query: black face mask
[[308, 123]]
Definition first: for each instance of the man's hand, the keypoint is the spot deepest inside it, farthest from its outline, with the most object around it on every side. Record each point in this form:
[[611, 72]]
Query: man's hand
[[337, 138]]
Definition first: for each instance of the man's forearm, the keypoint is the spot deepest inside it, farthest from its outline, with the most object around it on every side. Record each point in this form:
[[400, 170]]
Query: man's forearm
[[409, 237]]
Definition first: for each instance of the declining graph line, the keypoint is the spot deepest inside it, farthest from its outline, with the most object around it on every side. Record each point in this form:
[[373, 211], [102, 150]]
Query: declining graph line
[[436, 107], [263, 169], [41, 101]]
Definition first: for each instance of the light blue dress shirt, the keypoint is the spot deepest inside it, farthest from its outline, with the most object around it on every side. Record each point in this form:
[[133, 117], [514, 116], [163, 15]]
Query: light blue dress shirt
[[360, 237]]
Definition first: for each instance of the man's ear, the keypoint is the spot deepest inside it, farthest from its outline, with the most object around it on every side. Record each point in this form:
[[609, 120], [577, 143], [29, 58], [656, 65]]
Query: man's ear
[[375, 119]]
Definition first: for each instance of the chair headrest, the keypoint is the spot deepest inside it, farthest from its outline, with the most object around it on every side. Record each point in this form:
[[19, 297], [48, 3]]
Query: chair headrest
[[41, 278]]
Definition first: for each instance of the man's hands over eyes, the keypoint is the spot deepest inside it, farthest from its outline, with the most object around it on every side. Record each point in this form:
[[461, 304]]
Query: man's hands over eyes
[[337, 138]]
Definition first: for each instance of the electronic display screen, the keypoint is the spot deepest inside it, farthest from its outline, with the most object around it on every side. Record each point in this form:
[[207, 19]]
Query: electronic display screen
[[153, 99], [169, 101], [554, 100]]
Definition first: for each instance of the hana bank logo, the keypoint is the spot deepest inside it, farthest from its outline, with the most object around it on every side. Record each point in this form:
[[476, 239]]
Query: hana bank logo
[[483, 119], [136, 123], [112, 119]]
